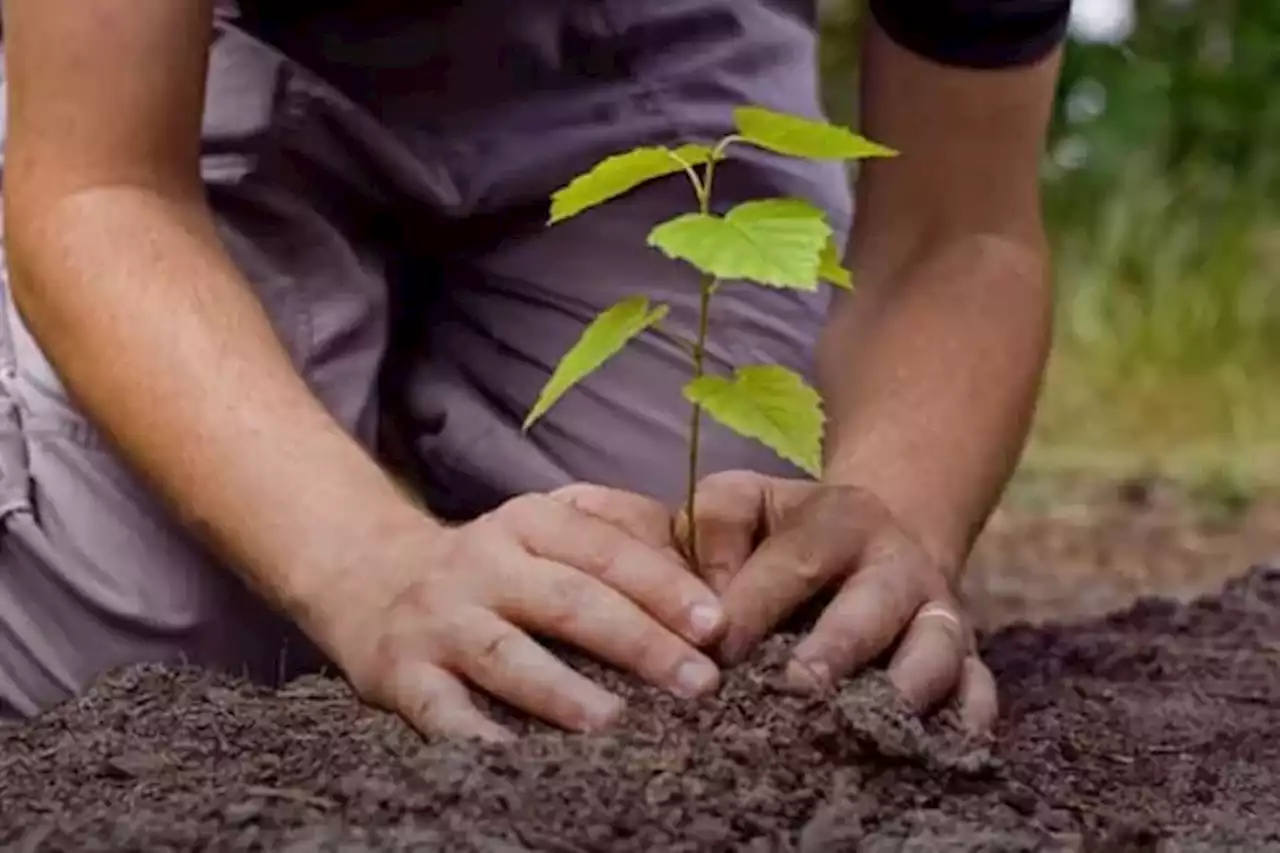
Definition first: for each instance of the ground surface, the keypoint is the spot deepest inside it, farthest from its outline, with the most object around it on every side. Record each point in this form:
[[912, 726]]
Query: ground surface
[[1154, 728], [1073, 548]]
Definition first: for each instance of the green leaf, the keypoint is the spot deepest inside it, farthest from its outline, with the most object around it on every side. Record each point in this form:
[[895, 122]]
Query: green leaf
[[622, 173], [777, 242], [831, 269], [695, 154], [795, 136], [603, 338], [770, 404]]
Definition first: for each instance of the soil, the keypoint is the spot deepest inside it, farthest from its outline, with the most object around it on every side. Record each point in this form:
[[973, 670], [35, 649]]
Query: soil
[[1153, 727]]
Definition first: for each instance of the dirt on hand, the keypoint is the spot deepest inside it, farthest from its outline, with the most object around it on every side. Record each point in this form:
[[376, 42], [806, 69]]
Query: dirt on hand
[[1157, 728]]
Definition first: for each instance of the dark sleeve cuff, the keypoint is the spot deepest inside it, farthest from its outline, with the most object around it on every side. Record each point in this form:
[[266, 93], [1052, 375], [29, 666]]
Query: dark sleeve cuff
[[975, 33]]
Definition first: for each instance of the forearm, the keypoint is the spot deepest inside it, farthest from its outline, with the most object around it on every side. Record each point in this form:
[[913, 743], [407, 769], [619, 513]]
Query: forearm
[[165, 347], [931, 385], [933, 365]]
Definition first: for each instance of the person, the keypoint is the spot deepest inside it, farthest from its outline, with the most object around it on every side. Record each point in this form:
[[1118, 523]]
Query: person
[[279, 291]]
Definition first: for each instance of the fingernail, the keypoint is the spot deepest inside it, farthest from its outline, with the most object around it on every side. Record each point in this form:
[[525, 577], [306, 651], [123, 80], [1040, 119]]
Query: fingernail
[[809, 676], [497, 735], [603, 712], [705, 621], [695, 678]]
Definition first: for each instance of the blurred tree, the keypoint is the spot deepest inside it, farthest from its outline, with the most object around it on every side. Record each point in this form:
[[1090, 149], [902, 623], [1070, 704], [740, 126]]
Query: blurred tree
[[1190, 89], [1162, 193]]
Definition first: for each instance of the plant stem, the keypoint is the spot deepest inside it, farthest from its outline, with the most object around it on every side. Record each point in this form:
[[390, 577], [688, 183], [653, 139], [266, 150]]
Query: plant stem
[[695, 421], [703, 189]]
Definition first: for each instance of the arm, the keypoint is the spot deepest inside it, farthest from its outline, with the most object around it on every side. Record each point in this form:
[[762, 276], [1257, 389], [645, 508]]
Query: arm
[[119, 272], [113, 251], [932, 369]]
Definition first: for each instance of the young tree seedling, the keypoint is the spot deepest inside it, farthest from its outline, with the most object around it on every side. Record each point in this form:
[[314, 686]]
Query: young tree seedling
[[773, 242]]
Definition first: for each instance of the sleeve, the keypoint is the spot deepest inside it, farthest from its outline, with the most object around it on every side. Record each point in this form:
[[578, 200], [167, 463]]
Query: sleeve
[[975, 33]]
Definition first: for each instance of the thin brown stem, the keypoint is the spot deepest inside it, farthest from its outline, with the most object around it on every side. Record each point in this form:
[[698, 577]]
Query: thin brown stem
[[708, 287], [695, 421]]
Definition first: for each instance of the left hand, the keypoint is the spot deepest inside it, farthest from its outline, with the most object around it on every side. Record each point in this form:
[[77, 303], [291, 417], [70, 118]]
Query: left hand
[[767, 545]]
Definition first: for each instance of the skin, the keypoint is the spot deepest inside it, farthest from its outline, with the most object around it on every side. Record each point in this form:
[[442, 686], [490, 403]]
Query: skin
[[930, 371], [112, 250]]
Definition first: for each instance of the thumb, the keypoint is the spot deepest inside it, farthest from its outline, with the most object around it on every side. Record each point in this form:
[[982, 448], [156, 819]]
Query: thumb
[[640, 517], [729, 516]]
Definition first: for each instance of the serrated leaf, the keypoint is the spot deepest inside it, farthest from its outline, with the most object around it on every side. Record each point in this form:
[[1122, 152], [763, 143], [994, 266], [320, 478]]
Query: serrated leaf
[[831, 269], [622, 173], [770, 404], [602, 339], [796, 136], [777, 242]]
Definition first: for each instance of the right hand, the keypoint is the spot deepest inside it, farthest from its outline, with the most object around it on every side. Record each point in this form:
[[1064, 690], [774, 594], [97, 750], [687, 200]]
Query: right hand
[[590, 566]]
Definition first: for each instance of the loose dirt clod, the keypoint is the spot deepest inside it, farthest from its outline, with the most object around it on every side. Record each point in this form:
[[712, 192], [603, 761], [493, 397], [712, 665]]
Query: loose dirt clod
[[1154, 729]]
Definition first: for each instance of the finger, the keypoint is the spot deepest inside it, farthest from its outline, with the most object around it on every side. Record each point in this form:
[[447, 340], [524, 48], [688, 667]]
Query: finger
[[928, 664], [729, 514], [979, 696], [558, 601], [865, 617], [640, 516], [656, 581], [435, 702], [504, 661], [792, 565]]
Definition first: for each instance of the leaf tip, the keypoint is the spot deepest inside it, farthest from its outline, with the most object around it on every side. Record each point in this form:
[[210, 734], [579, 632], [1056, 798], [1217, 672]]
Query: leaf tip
[[876, 149], [559, 210], [535, 415]]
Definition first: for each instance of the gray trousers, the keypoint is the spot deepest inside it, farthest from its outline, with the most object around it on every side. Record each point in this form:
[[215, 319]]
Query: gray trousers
[[386, 195]]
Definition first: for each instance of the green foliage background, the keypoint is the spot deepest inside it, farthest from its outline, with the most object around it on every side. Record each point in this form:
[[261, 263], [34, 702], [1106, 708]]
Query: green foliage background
[[1162, 188]]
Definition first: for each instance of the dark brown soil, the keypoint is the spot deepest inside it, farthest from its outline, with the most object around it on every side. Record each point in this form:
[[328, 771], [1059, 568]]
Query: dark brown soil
[[1154, 729], [1073, 548]]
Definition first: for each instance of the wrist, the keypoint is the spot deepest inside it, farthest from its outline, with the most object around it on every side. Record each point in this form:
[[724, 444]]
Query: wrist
[[338, 602], [343, 535], [917, 504]]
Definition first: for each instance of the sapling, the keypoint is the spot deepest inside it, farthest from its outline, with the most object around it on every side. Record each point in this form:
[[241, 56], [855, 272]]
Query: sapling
[[774, 242]]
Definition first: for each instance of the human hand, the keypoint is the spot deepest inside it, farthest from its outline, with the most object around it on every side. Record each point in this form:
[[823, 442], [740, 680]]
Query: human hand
[[590, 566], [767, 545]]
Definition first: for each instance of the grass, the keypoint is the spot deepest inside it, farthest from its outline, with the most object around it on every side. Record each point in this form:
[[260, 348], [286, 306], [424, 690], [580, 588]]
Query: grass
[[1167, 351]]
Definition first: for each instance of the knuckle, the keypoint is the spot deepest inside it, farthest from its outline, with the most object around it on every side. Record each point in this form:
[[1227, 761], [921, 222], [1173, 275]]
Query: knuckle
[[422, 710], [903, 590], [569, 597], [891, 584], [584, 496], [603, 551], [807, 565], [731, 481], [894, 554], [806, 557], [784, 506], [496, 650], [410, 598], [521, 511]]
